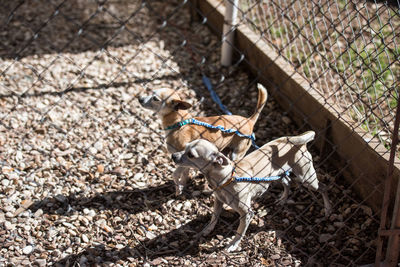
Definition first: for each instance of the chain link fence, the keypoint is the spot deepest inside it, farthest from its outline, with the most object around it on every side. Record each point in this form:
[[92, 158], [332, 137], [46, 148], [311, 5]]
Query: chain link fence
[[84, 169], [347, 51]]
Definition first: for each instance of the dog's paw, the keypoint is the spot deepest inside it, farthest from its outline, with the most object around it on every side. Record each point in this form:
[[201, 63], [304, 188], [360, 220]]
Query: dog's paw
[[328, 212], [178, 190], [233, 247]]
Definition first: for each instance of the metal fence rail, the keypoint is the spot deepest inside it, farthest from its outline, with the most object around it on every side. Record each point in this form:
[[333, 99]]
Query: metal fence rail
[[85, 173]]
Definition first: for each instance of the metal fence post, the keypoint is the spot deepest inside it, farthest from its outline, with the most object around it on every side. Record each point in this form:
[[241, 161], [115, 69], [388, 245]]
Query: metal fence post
[[392, 251], [228, 33], [392, 254]]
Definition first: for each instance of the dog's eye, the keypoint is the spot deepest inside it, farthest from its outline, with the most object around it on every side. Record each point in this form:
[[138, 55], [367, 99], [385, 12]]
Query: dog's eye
[[190, 155], [155, 98]]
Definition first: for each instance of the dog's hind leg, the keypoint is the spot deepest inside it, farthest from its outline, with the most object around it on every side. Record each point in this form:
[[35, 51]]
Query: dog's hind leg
[[327, 204], [285, 194], [321, 188], [305, 171]]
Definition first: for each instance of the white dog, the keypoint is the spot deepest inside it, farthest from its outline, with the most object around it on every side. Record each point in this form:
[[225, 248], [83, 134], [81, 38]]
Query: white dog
[[273, 161]]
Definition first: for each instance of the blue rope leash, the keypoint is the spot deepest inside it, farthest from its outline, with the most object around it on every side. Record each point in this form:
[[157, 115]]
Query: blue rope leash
[[253, 179], [217, 100], [262, 179], [214, 95], [218, 127]]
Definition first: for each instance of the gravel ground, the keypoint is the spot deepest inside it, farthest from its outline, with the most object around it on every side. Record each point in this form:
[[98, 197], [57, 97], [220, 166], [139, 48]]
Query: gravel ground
[[85, 175]]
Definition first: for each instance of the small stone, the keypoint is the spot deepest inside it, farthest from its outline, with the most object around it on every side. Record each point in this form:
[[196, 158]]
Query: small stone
[[84, 238], [150, 235], [26, 203], [129, 131], [5, 182], [19, 211], [93, 150], [38, 213], [27, 250], [12, 176], [299, 228], [100, 168], [99, 146], [107, 228], [324, 238], [60, 198], [367, 210], [262, 213], [275, 257], [119, 171], [187, 205], [331, 228], [196, 193], [158, 261], [138, 176], [219, 237], [153, 227], [68, 225], [140, 231], [286, 120], [41, 262], [339, 224], [9, 226], [140, 184], [178, 207], [89, 212], [119, 246], [126, 156]]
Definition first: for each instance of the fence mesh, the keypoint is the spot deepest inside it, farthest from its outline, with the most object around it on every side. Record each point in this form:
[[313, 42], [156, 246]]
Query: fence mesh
[[85, 173], [348, 51]]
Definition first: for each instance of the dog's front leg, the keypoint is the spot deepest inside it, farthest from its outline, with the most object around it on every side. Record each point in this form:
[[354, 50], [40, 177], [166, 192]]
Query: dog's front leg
[[181, 175], [211, 225], [245, 219]]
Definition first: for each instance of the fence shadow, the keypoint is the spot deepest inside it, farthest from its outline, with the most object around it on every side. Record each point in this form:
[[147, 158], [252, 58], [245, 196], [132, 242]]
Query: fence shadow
[[73, 26], [173, 245], [47, 27], [82, 89], [132, 201]]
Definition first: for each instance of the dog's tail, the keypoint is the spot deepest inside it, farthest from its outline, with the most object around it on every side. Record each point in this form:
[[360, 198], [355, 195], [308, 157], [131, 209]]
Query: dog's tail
[[302, 139], [262, 99]]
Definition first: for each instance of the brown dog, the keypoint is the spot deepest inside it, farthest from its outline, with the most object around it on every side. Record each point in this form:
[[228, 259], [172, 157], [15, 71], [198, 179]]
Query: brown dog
[[172, 110]]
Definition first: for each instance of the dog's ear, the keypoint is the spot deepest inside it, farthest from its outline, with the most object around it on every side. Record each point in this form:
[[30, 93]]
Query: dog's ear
[[180, 104], [220, 159]]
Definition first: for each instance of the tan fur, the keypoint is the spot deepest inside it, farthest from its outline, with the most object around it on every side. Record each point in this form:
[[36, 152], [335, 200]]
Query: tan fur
[[172, 109], [272, 159]]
